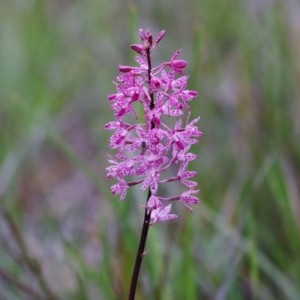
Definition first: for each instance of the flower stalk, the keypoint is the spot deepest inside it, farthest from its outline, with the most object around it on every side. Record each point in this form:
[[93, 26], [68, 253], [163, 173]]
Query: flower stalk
[[147, 146], [140, 252]]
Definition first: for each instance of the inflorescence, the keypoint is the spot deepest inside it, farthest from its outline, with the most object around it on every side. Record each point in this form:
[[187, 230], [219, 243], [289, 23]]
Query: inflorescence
[[152, 129]]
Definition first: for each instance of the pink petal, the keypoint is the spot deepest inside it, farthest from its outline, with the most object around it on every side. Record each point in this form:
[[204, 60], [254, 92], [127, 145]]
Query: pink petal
[[160, 36], [138, 48]]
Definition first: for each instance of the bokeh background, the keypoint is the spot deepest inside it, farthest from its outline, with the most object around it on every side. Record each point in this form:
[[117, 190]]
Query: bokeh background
[[62, 234]]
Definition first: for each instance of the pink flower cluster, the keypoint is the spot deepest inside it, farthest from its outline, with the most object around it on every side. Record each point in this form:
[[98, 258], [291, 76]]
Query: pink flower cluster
[[153, 133]]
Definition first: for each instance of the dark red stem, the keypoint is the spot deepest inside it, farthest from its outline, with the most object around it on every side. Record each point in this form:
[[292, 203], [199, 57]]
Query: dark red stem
[[140, 253], [147, 215]]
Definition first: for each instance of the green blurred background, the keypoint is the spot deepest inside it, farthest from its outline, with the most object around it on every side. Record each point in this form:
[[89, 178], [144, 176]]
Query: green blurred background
[[63, 236]]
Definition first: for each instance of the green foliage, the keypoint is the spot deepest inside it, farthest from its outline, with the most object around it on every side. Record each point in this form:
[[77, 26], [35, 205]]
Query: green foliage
[[57, 60]]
